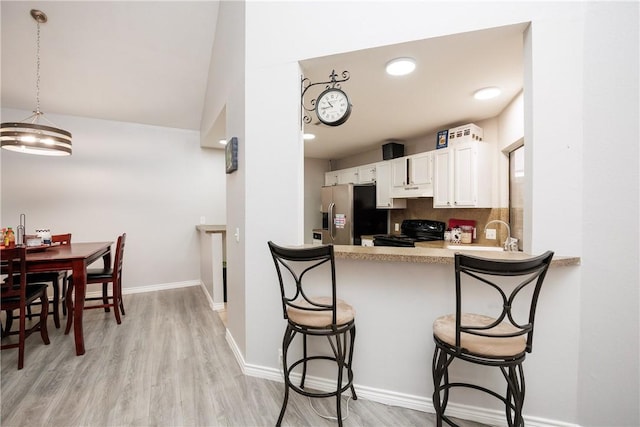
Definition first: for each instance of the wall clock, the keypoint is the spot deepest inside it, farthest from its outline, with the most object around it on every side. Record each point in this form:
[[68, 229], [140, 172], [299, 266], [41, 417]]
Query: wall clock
[[333, 107]]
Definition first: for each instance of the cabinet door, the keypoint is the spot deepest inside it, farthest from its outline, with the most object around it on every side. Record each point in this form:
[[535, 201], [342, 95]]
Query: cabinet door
[[465, 176], [443, 169], [399, 172], [421, 168], [367, 174], [348, 176], [331, 178], [383, 188]]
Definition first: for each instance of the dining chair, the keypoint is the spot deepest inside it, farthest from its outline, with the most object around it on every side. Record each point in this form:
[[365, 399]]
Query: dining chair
[[16, 294], [102, 276], [314, 316], [56, 278], [498, 335]]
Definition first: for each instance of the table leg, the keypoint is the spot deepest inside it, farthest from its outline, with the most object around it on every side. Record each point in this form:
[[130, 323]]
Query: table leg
[[79, 285]]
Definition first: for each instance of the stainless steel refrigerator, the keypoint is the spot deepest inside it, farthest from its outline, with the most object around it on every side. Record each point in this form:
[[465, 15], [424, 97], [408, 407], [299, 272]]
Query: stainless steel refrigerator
[[349, 212]]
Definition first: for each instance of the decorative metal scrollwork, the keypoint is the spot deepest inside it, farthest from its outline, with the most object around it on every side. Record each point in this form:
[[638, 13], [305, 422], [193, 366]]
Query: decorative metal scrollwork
[[333, 83]]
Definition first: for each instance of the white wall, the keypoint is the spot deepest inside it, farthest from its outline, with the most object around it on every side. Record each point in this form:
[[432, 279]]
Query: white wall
[[151, 182], [610, 290], [226, 91], [561, 48]]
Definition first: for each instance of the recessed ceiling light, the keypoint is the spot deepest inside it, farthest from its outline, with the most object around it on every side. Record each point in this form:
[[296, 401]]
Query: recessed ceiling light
[[487, 93], [401, 66], [308, 136], [223, 141]]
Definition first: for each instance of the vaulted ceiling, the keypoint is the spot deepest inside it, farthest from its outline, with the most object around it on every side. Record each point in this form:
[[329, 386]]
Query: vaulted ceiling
[[147, 62], [132, 61]]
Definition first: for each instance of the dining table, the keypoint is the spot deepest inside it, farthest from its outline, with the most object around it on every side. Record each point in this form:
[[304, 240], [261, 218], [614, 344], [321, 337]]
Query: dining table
[[74, 257]]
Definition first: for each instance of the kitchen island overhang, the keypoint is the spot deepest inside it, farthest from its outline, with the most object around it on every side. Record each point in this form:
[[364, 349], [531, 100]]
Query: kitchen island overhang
[[433, 253]]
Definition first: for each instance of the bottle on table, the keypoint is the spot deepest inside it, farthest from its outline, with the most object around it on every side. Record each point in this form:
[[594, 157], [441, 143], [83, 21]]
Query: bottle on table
[[9, 238]]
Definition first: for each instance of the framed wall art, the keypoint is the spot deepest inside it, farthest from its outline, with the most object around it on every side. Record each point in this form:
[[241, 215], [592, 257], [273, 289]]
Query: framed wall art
[[231, 151]]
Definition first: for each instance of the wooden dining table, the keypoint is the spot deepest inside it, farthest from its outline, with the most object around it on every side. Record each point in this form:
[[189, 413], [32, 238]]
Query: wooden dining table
[[75, 257]]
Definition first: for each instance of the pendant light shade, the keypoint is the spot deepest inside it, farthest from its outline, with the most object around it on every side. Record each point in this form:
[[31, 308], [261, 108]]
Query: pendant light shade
[[30, 136]]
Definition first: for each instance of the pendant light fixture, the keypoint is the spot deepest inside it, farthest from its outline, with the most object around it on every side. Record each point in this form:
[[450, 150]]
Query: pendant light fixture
[[29, 136]]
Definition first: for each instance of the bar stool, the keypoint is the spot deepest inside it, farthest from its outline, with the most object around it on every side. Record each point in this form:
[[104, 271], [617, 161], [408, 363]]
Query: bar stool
[[312, 316], [498, 339]]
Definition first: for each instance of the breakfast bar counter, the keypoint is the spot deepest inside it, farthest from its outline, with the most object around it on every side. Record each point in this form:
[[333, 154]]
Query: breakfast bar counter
[[433, 253]]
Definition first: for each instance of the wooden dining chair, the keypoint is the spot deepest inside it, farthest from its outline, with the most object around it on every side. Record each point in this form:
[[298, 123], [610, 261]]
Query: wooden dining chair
[[17, 294], [102, 276], [56, 279]]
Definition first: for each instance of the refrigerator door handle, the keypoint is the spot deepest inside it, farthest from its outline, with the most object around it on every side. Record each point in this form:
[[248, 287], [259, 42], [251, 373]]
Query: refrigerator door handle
[[331, 221]]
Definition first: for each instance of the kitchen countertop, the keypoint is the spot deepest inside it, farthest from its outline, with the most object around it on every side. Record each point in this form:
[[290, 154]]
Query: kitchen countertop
[[433, 253]]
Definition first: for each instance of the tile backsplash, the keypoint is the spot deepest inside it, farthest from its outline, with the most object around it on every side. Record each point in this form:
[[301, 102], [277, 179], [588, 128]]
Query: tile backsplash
[[423, 209]]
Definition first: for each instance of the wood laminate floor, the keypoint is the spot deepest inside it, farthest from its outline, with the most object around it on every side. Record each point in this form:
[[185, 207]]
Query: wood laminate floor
[[167, 364]]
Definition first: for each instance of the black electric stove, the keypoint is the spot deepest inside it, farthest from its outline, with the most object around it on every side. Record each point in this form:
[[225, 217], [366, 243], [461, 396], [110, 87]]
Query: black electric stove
[[413, 230]]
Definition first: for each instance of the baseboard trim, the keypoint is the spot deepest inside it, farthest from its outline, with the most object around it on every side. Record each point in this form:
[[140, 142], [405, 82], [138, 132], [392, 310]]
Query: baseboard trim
[[152, 288], [160, 287], [391, 398], [215, 306]]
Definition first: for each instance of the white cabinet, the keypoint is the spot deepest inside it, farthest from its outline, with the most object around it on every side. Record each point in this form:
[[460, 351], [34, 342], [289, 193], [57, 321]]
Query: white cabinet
[[383, 188], [367, 174], [421, 168], [331, 178], [412, 176], [462, 176], [442, 170], [399, 172], [348, 176]]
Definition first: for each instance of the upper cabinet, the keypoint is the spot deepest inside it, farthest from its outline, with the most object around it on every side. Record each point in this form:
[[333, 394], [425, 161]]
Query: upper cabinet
[[331, 178], [384, 200], [412, 176], [421, 168], [365, 174], [398, 172], [462, 176], [348, 176]]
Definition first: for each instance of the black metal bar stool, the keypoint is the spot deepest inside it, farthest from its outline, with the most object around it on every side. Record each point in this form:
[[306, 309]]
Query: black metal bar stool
[[499, 339], [307, 315]]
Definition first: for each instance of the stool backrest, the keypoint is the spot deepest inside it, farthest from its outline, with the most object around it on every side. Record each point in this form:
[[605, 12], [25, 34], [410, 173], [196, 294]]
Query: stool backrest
[[508, 278], [294, 264]]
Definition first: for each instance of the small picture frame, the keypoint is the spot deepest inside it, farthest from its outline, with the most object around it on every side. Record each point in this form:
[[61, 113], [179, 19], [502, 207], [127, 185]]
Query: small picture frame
[[231, 151], [442, 140]]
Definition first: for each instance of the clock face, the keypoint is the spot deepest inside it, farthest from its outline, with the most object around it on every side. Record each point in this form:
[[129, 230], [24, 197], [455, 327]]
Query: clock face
[[333, 107]]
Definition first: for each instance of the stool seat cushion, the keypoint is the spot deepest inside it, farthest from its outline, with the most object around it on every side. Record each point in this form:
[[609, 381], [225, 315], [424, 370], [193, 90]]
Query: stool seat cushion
[[320, 319], [444, 328]]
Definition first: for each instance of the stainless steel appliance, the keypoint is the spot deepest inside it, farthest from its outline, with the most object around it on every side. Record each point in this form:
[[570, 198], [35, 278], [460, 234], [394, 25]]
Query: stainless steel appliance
[[413, 230], [349, 212]]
